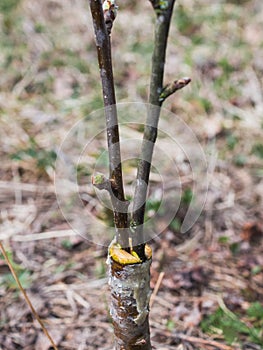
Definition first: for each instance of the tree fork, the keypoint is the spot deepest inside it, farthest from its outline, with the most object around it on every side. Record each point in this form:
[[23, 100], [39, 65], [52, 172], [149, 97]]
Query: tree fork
[[129, 258]]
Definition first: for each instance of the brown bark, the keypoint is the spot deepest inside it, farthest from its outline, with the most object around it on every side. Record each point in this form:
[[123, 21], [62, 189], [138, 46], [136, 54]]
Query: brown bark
[[162, 25], [103, 44]]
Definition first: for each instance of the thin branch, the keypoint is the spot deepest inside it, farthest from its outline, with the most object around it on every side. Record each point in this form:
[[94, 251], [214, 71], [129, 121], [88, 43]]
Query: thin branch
[[102, 183], [26, 297], [103, 44], [156, 289], [163, 10], [43, 235], [203, 342]]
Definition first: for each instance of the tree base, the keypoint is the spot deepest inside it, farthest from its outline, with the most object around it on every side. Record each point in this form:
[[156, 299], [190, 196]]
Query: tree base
[[130, 296]]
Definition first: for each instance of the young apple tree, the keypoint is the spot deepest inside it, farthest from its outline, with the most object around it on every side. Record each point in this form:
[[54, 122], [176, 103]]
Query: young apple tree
[[129, 256]]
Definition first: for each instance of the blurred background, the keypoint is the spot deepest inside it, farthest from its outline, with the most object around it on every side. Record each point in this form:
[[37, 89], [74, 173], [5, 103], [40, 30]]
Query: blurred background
[[212, 289]]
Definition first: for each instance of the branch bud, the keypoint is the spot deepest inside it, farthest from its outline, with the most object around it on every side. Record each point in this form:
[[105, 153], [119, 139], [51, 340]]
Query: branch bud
[[101, 182], [110, 10], [173, 87], [159, 5]]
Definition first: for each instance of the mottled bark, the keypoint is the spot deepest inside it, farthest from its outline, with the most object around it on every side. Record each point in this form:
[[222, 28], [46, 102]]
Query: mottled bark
[[130, 295]]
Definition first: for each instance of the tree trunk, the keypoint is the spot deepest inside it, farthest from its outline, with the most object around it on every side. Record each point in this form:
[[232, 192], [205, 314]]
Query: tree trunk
[[130, 296]]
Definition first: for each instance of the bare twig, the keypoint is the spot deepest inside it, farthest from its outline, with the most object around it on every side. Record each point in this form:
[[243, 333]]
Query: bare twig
[[156, 288], [163, 18], [26, 297], [105, 64], [204, 342], [27, 187], [43, 235]]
